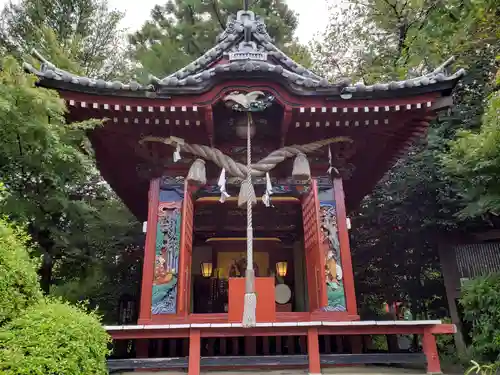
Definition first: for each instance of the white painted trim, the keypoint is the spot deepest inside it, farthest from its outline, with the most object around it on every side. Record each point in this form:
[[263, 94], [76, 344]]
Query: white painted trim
[[113, 328], [156, 326], [336, 324], [309, 324], [349, 323], [138, 327], [285, 324], [365, 323], [264, 325], [386, 323]]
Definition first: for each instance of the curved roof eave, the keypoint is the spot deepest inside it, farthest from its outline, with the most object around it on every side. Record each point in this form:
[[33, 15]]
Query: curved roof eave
[[250, 54]]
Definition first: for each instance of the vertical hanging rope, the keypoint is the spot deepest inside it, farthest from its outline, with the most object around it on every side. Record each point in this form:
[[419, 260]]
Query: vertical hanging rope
[[250, 305]]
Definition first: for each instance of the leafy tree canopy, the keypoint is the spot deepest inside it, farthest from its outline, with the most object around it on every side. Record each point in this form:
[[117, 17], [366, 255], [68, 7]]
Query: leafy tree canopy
[[399, 228], [181, 31], [87, 31]]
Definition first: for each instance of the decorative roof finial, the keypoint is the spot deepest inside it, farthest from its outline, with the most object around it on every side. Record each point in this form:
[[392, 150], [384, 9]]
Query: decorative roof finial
[[245, 4]]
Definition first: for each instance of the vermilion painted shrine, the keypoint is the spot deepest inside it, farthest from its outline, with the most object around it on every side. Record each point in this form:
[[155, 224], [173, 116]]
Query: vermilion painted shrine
[[177, 147]]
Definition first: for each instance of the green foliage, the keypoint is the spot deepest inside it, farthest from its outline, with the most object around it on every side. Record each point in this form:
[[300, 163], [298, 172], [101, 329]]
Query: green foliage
[[399, 228], [19, 287], [180, 31], [474, 161], [87, 31], [110, 265], [481, 305], [446, 345], [45, 163], [53, 337], [476, 368]]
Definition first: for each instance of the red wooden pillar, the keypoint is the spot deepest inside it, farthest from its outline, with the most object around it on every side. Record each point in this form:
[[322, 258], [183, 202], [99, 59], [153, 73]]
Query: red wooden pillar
[[149, 253], [313, 351], [194, 352], [345, 250], [431, 353], [315, 258]]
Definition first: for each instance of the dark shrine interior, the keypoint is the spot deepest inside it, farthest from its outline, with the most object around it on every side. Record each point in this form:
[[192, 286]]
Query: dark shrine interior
[[220, 240]]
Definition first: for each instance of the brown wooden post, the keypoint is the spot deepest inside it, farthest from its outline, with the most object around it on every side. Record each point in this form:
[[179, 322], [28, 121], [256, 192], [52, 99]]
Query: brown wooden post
[[142, 348], [451, 277], [345, 250], [149, 253]]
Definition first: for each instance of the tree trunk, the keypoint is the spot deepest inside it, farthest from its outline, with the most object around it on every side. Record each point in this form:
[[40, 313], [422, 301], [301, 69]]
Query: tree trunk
[[46, 273]]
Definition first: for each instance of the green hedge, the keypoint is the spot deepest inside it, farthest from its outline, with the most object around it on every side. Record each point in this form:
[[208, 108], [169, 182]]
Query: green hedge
[[481, 304], [19, 287], [56, 338]]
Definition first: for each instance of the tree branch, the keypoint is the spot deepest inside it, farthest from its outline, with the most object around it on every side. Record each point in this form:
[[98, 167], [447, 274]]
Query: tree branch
[[217, 15]]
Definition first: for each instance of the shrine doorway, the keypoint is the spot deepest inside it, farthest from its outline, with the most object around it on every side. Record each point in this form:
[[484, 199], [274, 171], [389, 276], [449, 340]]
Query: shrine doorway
[[219, 252]]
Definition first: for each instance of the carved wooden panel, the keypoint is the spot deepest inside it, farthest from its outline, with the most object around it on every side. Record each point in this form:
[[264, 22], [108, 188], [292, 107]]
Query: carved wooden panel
[[312, 246]]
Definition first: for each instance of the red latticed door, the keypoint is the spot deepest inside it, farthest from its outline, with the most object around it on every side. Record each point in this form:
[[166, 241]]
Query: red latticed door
[[186, 252], [315, 268]]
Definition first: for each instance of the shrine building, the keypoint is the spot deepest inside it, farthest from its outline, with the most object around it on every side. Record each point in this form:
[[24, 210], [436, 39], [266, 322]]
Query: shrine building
[[176, 152]]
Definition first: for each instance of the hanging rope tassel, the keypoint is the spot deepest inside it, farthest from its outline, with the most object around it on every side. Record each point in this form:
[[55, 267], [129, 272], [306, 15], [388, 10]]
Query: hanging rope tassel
[[222, 186], [197, 174], [177, 153], [331, 168], [250, 305], [247, 194], [266, 198], [330, 161], [301, 170]]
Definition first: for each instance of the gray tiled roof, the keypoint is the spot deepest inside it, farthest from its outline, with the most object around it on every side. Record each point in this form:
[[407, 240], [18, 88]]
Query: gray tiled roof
[[248, 51]]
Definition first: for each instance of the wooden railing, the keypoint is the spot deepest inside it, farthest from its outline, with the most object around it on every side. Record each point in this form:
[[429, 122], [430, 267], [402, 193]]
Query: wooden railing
[[311, 330]]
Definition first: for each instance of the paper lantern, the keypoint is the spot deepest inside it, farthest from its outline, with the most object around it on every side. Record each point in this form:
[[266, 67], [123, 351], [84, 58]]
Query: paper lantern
[[206, 269], [281, 268]]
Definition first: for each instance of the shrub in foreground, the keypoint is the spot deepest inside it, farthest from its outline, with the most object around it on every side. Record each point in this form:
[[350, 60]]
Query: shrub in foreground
[[53, 337], [481, 304], [19, 287]]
